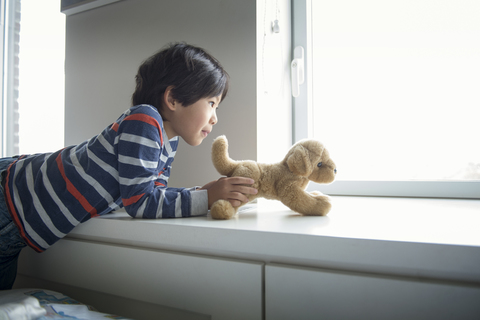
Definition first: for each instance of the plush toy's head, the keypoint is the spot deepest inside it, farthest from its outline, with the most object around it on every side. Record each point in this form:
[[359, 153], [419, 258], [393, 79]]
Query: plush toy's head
[[310, 159]]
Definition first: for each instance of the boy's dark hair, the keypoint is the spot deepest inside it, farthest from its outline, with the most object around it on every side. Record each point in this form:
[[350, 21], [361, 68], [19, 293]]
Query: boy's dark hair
[[193, 73]]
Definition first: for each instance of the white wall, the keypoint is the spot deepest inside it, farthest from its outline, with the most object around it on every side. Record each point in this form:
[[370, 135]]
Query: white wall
[[105, 46]]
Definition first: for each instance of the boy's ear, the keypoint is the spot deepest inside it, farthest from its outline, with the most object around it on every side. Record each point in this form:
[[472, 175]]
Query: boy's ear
[[168, 99]]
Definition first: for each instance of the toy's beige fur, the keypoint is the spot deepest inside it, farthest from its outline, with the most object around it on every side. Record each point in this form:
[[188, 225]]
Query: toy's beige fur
[[286, 181]]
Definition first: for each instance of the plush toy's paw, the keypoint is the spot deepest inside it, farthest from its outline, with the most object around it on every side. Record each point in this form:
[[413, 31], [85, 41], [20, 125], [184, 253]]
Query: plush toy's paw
[[222, 210], [321, 205]]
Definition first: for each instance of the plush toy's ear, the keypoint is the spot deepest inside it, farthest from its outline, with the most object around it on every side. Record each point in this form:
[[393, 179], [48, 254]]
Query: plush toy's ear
[[298, 161]]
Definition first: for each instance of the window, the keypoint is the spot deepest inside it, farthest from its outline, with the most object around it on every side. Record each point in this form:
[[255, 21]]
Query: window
[[42, 76], [33, 90], [393, 94], [10, 25]]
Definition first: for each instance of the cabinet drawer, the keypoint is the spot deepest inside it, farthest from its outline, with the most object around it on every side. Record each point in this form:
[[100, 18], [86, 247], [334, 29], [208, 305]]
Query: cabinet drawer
[[220, 288], [303, 293]]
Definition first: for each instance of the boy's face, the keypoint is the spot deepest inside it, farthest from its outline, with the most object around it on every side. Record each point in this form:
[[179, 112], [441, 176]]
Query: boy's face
[[195, 122]]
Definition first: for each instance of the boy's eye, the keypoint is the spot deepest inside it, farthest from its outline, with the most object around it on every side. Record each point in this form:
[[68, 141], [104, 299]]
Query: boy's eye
[[212, 104]]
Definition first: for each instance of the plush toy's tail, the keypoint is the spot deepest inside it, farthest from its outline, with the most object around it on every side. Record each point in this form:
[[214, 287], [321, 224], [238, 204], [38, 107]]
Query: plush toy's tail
[[220, 158]]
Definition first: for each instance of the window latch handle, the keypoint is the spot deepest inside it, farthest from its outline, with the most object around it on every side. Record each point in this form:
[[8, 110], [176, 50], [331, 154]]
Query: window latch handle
[[297, 70]]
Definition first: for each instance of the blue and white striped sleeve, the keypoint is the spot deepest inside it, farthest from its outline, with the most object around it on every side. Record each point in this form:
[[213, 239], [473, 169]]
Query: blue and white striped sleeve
[[142, 155]]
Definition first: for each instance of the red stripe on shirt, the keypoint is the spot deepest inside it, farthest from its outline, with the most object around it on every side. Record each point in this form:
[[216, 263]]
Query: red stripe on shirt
[[132, 200], [73, 191], [115, 127], [14, 213], [146, 119]]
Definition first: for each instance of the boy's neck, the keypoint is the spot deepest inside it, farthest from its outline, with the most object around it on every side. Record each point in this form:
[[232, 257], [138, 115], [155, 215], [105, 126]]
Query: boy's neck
[[167, 126]]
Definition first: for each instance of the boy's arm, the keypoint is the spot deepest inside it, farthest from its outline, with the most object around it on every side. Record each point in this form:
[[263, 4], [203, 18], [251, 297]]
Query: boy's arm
[[167, 203], [142, 198], [142, 154]]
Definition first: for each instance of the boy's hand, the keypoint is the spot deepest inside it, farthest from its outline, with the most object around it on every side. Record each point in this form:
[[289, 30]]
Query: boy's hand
[[233, 189]]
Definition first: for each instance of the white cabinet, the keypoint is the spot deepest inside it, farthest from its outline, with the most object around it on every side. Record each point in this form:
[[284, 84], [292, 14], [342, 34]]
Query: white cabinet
[[304, 293], [216, 287], [271, 263]]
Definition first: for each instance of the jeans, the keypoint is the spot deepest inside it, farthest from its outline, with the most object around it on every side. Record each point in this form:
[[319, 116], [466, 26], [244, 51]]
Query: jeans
[[11, 243]]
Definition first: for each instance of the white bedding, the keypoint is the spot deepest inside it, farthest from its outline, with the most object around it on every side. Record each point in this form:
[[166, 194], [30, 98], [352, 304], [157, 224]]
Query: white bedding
[[39, 304]]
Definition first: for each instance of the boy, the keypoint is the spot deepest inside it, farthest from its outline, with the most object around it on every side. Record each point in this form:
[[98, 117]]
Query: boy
[[44, 196]]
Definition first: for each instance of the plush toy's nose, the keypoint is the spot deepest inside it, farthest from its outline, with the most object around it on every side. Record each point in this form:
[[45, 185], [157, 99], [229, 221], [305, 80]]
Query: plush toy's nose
[[335, 170]]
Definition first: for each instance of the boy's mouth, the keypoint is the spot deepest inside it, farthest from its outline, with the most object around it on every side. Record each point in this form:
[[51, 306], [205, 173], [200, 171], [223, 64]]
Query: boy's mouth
[[205, 133]]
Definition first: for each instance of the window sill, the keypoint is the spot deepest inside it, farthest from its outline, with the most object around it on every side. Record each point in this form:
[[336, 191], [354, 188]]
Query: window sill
[[431, 239]]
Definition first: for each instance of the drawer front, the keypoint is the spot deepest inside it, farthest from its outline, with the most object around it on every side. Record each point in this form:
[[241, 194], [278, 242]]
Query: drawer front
[[220, 288], [303, 293]]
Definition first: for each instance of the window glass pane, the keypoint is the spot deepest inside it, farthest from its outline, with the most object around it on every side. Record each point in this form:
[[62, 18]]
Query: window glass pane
[[396, 88], [42, 74], [10, 25]]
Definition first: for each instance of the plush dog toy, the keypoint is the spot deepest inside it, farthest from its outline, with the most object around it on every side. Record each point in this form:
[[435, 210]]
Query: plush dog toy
[[307, 160]]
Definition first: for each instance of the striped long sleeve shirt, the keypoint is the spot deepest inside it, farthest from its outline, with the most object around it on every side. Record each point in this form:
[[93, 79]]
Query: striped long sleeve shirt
[[127, 165]]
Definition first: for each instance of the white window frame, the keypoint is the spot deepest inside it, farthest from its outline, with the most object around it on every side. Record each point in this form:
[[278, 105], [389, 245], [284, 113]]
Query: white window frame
[[10, 21], [3, 58], [303, 128]]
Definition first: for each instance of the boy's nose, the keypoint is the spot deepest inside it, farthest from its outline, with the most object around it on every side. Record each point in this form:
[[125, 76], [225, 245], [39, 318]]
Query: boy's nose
[[213, 119]]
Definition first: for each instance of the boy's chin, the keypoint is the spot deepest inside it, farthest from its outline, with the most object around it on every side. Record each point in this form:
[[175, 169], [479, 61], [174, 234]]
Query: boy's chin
[[194, 143]]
